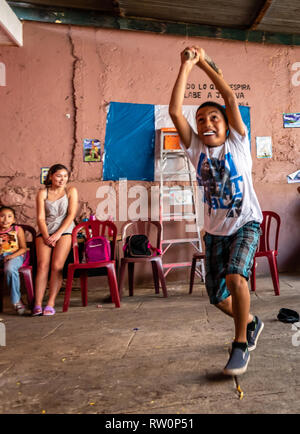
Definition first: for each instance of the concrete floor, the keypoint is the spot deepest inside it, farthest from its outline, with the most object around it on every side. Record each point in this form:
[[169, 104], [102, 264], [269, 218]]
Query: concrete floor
[[151, 356]]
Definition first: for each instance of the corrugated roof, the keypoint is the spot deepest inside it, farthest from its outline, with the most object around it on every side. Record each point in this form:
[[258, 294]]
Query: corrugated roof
[[219, 17], [230, 13]]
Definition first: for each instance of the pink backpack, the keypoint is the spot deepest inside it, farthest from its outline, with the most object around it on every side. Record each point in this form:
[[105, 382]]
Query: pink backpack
[[97, 249]]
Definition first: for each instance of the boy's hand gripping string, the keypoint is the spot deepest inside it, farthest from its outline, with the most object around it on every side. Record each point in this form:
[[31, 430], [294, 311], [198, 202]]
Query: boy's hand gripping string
[[189, 54]]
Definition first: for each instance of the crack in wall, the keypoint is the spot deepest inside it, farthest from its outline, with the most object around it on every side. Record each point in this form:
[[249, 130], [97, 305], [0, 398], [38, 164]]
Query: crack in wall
[[76, 61], [7, 179], [102, 80]]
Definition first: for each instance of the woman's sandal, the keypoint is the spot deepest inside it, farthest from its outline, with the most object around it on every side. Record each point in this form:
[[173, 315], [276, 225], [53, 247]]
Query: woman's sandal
[[37, 311], [48, 311]]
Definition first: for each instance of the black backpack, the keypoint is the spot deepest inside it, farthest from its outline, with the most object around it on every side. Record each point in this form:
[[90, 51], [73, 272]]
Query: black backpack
[[137, 245]]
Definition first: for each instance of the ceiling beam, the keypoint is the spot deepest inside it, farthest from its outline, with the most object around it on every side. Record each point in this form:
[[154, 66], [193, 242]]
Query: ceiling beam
[[11, 28], [260, 15], [97, 19]]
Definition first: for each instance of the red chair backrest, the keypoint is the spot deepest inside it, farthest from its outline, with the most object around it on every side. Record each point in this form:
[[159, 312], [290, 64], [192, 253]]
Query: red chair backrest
[[94, 228], [31, 254], [270, 231]]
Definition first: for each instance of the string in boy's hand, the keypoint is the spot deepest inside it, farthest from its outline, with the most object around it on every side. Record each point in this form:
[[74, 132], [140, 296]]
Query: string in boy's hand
[[190, 54]]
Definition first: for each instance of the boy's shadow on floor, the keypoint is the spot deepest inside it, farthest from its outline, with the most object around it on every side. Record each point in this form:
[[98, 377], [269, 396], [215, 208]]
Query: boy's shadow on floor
[[217, 377]]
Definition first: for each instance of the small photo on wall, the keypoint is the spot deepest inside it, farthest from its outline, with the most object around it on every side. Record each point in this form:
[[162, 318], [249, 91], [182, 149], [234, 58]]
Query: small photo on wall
[[291, 120], [264, 147], [91, 150], [44, 173]]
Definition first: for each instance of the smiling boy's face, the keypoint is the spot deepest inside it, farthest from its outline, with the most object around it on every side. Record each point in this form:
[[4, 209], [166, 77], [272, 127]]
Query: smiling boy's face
[[211, 126], [7, 218]]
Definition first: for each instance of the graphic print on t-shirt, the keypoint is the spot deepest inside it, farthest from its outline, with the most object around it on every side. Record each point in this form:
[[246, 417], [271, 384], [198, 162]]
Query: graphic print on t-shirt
[[8, 242], [221, 183]]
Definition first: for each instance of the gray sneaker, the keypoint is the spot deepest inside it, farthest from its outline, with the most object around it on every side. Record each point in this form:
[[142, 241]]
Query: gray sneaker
[[253, 335], [20, 308], [238, 361]]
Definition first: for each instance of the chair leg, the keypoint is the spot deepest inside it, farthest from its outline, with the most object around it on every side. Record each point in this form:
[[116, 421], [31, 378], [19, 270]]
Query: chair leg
[[113, 285], [274, 273], [253, 276], [68, 289], [155, 276], [161, 276], [84, 288], [1, 294], [192, 275], [27, 275], [131, 277], [121, 277]]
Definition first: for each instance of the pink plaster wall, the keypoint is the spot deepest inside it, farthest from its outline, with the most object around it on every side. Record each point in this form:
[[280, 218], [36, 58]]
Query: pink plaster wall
[[59, 84]]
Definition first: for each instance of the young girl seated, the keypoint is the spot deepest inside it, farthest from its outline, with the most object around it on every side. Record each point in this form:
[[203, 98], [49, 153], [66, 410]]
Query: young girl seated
[[12, 254], [56, 210]]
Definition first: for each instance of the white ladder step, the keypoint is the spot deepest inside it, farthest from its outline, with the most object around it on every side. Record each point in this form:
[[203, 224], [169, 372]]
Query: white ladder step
[[177, 172], [184, 216], [173, 151], [180, 240]]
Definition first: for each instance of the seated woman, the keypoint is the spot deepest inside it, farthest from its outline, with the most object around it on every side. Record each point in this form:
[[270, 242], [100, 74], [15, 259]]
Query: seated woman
[[56, 210]]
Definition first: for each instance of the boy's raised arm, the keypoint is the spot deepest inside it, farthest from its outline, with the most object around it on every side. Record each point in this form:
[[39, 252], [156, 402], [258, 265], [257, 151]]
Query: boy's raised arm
[[232, 108], [175, 107]]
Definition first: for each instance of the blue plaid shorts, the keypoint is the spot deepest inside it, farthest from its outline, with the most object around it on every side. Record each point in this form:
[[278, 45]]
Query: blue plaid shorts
[[232, 254]]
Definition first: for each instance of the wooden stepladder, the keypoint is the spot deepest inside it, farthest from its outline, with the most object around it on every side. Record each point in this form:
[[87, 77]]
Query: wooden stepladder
[[180, 202]]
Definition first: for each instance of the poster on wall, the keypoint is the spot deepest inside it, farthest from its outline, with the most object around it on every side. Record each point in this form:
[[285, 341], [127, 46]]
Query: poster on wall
[[291, 120], [91, 150], [264, 147], [293, 177], [44, 173]]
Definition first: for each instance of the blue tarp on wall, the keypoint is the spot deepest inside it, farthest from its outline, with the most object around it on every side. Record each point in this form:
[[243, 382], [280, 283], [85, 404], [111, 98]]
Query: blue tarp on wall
[[245, 113], [130, 141]]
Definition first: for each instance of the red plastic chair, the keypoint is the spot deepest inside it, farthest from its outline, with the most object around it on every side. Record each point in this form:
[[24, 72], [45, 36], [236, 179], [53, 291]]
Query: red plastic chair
[[28, 268], [97, 228], [155, 259], [270, 232]]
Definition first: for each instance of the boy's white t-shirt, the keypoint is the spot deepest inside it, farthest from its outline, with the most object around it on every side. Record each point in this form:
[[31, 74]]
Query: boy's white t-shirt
[[225, 174]]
